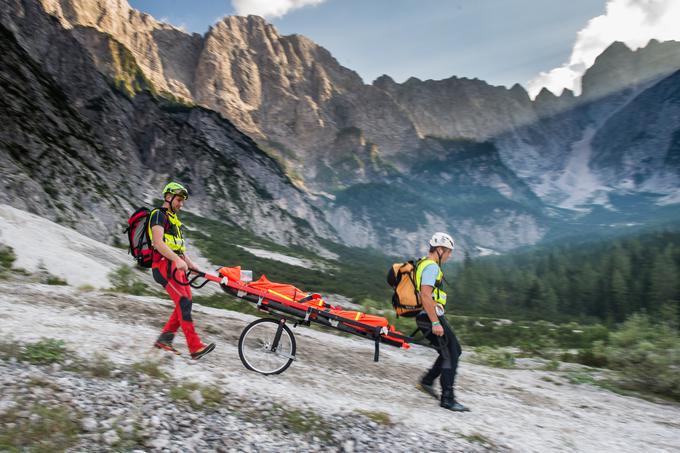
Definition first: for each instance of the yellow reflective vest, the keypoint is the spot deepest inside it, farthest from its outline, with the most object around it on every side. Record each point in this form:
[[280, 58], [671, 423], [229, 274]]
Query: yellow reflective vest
[[172, 235], [438, 294]]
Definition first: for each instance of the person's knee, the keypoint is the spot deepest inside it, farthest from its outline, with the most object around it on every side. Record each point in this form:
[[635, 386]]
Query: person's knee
[[185, 307]]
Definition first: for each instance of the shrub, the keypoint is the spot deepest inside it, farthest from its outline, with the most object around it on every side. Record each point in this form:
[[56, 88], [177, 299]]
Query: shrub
[[647, 354], [7, 257], [54, 280], [124, 281], [100, 366], [586, 357]]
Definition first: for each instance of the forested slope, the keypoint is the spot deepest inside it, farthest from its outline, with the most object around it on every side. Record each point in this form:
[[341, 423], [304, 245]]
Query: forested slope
[[606, 281]]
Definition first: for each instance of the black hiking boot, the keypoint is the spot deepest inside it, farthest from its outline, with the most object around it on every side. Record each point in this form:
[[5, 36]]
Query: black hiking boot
[[449, 402], [203, 351], [427, 388], [164, 342]]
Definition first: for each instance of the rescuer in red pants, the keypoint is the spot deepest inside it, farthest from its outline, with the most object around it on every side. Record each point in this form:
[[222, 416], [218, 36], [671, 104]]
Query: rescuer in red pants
[[170, 263]]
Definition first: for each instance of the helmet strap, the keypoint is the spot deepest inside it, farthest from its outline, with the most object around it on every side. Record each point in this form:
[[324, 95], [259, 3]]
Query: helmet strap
[[169, 202]]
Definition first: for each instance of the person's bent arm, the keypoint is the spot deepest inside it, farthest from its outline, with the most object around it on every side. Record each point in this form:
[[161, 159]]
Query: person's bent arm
[[162, 248], [428, 304], [190, 263]]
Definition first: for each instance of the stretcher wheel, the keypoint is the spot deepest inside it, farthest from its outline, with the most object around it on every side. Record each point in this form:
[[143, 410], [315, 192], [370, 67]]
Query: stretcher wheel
[[267, 346]]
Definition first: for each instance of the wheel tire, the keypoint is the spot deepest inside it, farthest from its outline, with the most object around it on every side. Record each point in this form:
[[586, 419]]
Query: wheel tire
[[249, 329]]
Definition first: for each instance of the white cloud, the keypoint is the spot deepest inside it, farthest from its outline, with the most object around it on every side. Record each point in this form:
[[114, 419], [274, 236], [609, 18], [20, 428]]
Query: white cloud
[[633, 22], [270, 8]]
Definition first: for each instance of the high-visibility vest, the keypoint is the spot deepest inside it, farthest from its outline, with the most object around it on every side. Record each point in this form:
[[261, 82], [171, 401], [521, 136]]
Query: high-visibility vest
[[171, 236], [438, 294]]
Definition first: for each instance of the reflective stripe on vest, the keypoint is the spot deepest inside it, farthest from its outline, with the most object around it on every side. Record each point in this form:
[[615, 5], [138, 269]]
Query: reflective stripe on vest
[[438, 294], [176, 243]]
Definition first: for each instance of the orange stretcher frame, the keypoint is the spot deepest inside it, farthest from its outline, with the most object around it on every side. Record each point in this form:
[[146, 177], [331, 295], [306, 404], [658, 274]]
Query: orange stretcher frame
[[287, 301]]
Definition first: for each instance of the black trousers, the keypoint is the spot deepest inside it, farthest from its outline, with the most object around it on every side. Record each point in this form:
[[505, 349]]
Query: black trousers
[[449, 351]]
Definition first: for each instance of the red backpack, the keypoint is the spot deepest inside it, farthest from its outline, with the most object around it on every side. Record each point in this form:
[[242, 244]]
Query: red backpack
[[138, 235]]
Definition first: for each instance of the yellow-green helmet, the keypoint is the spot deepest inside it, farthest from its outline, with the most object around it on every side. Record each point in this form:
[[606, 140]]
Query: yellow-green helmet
[[176, 189]]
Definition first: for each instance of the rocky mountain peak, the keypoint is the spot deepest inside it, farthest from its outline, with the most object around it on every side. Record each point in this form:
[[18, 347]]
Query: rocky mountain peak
[[619, 69], [520, 92], [384, 82], [245, 30]]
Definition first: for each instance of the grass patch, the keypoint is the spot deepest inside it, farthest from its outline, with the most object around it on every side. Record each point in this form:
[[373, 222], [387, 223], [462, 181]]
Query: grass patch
[[86, 288], [580, 378], [45, 351], [551, 380], [212, 396], [305, 422], [478, 438], [552, 365], [150, 368], [380, 418], [42, 383], [53, 430], [496, 358]]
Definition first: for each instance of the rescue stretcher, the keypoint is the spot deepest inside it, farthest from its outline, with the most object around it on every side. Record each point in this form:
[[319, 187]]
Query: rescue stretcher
[[267, 345]]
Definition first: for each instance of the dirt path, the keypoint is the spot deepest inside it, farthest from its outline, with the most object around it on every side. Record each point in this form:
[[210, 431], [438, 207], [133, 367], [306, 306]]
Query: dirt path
[[513, 409]]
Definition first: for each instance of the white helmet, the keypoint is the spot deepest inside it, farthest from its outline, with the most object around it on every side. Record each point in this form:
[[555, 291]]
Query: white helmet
[[441, 240]]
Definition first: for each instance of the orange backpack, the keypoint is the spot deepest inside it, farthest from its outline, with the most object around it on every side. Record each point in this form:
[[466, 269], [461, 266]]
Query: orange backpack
[[402, 278]]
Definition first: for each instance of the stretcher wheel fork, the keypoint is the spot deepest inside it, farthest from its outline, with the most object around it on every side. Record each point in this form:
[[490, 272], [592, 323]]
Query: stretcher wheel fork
[[267, 346]]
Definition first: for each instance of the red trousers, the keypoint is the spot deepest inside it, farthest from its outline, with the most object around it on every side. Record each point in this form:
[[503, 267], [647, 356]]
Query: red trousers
[[164, 273]]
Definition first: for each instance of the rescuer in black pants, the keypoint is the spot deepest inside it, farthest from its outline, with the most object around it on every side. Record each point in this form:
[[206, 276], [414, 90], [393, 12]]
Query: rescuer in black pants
[[432, 322]]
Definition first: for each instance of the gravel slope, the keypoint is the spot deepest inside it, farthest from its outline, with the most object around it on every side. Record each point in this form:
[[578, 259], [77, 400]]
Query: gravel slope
[[334, 377]]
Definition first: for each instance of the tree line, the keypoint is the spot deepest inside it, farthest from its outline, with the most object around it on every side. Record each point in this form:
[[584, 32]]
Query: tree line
[[604, 281]]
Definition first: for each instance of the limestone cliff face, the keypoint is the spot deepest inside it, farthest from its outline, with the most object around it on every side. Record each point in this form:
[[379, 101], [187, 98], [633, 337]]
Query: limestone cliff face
[[166, 55], [287, 92], [85, 149], [292, 95]]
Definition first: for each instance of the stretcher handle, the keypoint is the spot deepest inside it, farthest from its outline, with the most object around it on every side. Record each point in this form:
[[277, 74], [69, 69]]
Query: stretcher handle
[[191, 282]]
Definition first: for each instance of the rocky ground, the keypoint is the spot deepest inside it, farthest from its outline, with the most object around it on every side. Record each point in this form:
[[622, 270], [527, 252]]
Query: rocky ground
[[116, 393]]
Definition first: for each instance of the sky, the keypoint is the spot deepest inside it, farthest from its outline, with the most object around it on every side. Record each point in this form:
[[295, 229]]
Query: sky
[[535, 43]]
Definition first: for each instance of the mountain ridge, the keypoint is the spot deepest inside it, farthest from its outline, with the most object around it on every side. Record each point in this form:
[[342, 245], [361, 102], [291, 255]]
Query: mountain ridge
[[333, 136]]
